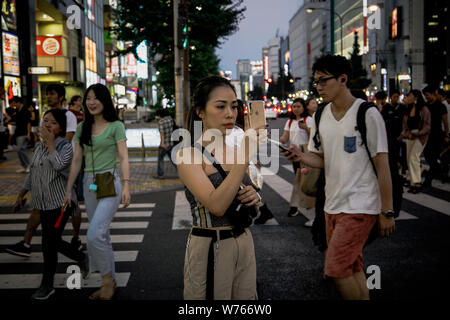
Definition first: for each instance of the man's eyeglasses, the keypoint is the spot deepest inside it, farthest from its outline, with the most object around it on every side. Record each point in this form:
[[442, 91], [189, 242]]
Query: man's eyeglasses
[[322, 81]]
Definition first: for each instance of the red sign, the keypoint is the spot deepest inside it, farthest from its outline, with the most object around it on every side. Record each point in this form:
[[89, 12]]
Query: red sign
[[394, 23], [48, 46]]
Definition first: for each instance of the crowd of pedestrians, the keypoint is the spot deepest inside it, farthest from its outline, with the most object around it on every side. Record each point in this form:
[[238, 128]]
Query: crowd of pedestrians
[[76, 148]]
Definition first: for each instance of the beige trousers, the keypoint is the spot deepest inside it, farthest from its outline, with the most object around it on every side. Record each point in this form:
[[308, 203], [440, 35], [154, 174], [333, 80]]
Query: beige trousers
[[413, 151], [234, 273]]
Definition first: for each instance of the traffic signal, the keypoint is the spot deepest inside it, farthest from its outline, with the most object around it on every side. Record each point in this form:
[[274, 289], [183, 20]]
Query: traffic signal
[[269, 80], [183, 33]]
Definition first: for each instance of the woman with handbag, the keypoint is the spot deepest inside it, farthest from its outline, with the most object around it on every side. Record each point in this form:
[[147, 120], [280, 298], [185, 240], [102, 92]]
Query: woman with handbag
[[296, 132], [100, 138], [220, 257], [46, 182]]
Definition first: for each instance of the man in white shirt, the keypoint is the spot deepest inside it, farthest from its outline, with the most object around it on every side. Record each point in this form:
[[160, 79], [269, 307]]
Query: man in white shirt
[[355, 197]]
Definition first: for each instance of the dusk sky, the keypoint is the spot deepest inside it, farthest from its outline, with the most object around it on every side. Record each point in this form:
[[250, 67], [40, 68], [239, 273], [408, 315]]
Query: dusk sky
[[262, 19]]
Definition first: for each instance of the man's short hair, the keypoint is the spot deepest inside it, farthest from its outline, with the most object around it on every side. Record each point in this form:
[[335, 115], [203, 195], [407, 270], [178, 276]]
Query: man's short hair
[[395, 91], [380, 95], [430, 89], [59, 89], [161, 113], [335, 65]]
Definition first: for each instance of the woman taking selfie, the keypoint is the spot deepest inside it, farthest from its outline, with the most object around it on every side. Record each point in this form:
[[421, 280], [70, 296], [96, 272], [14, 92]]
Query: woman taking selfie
[[46, 182], [100, 138], [220, 256]]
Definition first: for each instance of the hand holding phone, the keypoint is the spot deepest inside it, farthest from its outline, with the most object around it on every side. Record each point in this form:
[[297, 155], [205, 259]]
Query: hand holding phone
[[256, 115]]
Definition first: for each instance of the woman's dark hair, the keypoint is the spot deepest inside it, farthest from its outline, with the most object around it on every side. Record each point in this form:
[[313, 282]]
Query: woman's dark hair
[[201, 96], [73, 99], [240, 114], [60, 117], [307, 104], [420, 102], [109, 112], [335, 65], [304, 113]]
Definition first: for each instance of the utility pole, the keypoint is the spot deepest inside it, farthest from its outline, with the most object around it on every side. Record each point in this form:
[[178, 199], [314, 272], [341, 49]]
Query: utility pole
[[179, 102], [185, 62]]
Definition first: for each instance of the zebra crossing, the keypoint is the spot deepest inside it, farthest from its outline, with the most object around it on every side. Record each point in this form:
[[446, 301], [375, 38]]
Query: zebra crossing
[[136, 228], [129, 225]]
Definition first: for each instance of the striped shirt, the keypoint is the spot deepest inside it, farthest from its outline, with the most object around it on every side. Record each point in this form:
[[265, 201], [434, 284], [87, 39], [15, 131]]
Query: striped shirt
[[166, 127], [48, 175]]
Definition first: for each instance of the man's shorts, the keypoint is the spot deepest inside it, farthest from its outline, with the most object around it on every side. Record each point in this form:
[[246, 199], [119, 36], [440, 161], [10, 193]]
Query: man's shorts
[[346, 236], [12, 129]]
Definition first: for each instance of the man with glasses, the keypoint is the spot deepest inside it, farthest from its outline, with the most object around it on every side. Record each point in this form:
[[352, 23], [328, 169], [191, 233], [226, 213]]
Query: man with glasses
[[355, 197]]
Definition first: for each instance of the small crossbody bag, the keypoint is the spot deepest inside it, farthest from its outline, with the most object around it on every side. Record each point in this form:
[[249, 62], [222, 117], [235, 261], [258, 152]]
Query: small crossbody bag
[[104, 182]]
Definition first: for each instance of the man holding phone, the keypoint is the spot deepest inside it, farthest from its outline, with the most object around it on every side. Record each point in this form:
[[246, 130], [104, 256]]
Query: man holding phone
[[355, 197]]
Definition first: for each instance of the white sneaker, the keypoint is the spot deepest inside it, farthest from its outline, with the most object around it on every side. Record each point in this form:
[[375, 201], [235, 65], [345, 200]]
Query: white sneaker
[[309, 223], [27, 170], [22, 170], [10, 148]]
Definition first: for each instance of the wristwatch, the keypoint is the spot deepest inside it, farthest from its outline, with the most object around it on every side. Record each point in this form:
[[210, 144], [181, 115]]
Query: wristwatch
[[388, 213]]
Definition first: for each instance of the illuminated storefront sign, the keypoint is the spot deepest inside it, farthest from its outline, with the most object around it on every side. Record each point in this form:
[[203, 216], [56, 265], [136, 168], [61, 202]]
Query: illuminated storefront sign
[[90, 54], [142, 63], [9, 18], [39, 70], [48, 46], [11, 54]]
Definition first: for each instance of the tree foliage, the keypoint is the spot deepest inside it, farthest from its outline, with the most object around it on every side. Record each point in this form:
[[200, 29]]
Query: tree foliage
[[359, 79], [152, 20]]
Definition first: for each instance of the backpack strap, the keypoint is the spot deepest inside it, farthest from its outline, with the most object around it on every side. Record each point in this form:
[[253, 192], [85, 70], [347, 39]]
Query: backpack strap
[[317, 116], [290, 122], [362, 128]]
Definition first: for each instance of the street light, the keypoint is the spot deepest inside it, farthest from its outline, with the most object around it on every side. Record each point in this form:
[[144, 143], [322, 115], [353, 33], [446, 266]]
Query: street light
[[372, 8]]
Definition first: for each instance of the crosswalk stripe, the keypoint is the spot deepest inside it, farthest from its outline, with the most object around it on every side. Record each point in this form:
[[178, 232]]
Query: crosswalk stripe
[[127, 238], [441, 186], [32, 281], [182, 217], [119, 214], [37, 257], [84, 226], [131, 206], [281, 186], [431, 202], [288, 167]]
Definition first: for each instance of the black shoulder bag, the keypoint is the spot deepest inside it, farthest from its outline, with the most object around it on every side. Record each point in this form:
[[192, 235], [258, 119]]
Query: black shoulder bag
[[241, 216]]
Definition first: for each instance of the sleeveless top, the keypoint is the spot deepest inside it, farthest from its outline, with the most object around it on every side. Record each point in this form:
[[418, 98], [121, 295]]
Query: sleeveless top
[[201, 217]]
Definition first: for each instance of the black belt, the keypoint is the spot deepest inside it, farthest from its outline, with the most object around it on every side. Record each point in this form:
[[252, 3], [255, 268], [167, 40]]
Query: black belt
[[208, 233]]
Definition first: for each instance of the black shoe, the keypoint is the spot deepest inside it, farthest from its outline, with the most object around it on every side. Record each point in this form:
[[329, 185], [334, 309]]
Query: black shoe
[[158, 177], [414, 190], [84, 267], [19, 249], [293, 212], [43, 293], [76, 244], [266, 214]]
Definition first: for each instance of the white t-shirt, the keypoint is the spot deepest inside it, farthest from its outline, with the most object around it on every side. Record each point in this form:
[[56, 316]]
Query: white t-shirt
[[351, 183], [298, 136]]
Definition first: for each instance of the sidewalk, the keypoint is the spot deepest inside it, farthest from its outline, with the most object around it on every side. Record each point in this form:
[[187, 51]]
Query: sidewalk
[[141, 177]]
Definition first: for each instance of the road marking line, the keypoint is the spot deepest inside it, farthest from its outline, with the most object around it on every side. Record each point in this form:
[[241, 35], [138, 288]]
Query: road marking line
[[37, 240], [120, 214], [182, 216], [37, 257], [84, 226], [131, 206], [428, 201], [33, 281]]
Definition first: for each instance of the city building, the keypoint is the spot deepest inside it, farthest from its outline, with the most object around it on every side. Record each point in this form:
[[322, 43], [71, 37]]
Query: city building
[[308, 39]]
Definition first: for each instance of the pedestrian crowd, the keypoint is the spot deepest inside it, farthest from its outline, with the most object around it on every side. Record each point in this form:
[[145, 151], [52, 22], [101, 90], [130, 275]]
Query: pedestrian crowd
[[350, 157]]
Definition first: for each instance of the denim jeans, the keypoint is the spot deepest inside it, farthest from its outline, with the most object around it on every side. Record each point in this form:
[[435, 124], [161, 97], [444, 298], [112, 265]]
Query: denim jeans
[[161, 153], [100, 214], [22, 145]]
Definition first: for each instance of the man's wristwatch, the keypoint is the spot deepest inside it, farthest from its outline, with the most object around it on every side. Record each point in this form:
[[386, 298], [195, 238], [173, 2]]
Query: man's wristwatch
[[388, 213]]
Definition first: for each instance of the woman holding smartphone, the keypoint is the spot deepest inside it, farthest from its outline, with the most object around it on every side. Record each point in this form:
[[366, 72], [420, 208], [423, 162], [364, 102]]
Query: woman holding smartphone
[[100, 138], [296, 132], [220, 257]]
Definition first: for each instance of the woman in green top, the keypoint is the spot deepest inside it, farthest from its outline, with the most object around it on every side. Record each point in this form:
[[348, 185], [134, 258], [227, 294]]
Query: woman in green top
[[100, 137]]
